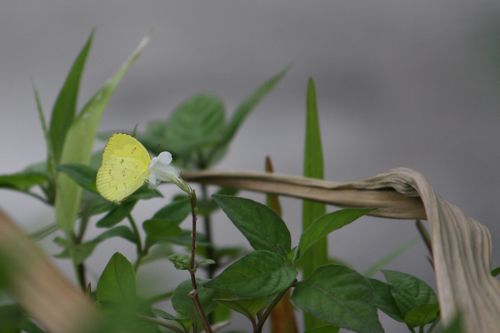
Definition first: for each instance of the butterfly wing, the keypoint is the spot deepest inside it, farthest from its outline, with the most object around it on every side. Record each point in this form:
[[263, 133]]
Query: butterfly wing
[[124, 167]]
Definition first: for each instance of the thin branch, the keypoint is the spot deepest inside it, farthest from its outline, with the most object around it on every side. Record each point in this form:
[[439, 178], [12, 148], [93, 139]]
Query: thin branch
[[211, 268], [194, 293]]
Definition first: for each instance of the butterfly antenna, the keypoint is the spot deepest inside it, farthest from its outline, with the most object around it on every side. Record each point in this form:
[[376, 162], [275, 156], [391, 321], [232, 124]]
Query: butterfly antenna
[[134, 131]]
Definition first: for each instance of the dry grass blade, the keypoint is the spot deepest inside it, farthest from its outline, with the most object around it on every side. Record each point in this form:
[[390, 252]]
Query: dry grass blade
[[461, 245]]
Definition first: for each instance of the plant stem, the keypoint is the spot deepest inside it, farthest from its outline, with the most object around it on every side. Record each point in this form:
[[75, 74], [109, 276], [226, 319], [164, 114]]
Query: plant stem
[[194, 293], [269, 309], [208, 234], [141, 251]]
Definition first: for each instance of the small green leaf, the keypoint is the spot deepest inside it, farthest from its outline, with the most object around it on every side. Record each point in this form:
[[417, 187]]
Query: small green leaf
[[79, 141], [263, 228], [195, 123], [258, 274], [116, 215], [183, 303], [408, 291], [22, 181], [340, 296], [388, 258], [384, 300], [44, 232], [84, 250], [160, 230], [117, 283], [64, 109], [180, 261], [421, 315], [83, 175], [144, 193], [495, 271], [327, 223], [175, 212]]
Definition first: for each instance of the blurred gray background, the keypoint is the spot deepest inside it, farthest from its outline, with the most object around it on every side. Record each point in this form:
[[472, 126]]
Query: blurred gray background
[[399, 83]]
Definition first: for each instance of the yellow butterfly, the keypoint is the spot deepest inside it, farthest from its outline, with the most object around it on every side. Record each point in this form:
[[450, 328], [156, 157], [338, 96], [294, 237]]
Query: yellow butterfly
[[124, 167]]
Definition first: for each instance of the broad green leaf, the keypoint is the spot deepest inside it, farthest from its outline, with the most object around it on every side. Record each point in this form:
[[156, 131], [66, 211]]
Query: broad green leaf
[[144, 193], [339, 296], [117, 283], [258, 274], [160, 230], [326, 224], [263, 228], [11, 316], [163, 314], [384, 300], [323, 329], [22, 181], [421, 315], [84, 250], [195, 123], [83, 175], [313, 167], [246, 306], [79, 141], [175, 212], [408, 291], [64, 109], [183, 261], [183, 303], [116, 215], [93, 204], [388, 258]]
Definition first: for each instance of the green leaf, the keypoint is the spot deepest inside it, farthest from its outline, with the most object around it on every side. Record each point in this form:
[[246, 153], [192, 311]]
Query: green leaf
[[84, 250], [83, 175], [421, 315], [64, 109], [48, 142], [384, 300], [116, 215], [313, 167], [194, 123], [327, 223], [495, 271], [388, 258], [174, 212], [22, 181], [258, 274], [163, 314], [144, 193], [78, 144], [340, 296], [160, 230], [456, 325], [244, 109], [323, 329], [263, 228], [207, 207], [117, 283], [183, 303], [44, 232], [246, 306], [408, 291]]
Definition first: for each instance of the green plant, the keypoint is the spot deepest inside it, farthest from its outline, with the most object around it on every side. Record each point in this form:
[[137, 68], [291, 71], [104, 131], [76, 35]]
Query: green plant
[[251, 282]]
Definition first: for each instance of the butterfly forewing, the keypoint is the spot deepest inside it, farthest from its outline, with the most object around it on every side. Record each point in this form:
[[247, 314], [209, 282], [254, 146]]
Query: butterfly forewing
[[124, 167]]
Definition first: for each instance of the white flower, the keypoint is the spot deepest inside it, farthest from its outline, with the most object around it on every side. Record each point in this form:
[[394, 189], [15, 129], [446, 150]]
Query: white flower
[[160, 170]]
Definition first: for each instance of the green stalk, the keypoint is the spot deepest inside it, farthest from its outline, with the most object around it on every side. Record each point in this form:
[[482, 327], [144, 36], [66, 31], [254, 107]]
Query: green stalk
[[313, 167]]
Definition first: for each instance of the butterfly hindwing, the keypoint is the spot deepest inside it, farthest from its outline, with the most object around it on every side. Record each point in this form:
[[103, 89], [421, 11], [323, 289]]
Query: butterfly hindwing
[[124, 167]]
